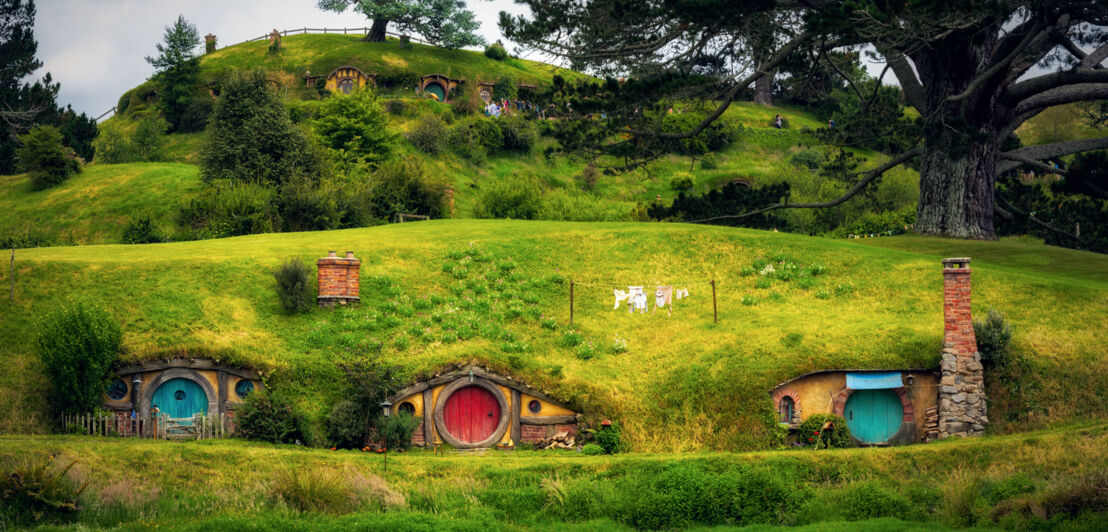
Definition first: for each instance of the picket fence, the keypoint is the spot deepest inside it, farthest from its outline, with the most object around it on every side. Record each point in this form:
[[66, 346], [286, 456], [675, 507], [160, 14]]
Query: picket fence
[[159, 426]]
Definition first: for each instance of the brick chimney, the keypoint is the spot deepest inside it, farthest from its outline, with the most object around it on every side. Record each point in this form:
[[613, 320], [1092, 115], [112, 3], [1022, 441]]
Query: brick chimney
[[962, 409], [339, 279]]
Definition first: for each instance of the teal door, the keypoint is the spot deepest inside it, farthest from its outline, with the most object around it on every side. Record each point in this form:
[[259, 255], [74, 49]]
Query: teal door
[[873, 415], [437, 90], [180, 398]]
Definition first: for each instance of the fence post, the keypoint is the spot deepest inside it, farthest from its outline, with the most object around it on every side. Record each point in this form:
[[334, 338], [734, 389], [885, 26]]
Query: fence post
[[715, 314], [571, 302]]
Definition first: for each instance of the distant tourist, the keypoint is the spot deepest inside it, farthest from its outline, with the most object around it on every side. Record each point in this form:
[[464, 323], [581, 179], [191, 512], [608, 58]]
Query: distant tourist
[[778, 122]]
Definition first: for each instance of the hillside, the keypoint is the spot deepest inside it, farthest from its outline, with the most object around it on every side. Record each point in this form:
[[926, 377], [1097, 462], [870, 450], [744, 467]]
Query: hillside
[[441, 292]]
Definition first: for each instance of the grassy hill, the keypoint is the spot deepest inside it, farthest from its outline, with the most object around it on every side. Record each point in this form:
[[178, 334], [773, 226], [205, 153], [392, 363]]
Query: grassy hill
[[442, 292]]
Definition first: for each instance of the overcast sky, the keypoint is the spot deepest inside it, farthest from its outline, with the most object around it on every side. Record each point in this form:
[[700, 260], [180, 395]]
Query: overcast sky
[[97, 48]]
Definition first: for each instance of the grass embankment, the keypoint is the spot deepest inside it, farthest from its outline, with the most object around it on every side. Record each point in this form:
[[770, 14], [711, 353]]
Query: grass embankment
[[442, 292], [1038, 480]]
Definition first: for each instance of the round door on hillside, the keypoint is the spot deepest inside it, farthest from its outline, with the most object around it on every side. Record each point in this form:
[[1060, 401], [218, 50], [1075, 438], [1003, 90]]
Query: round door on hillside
[[180, 398], [873, 416], [437, 90], [471, 414]]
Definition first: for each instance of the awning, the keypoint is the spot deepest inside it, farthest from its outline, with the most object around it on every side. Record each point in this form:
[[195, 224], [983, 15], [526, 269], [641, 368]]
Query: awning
[[874, 381]]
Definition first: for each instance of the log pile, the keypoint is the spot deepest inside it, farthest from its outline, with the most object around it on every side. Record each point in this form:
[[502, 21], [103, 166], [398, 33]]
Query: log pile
[[931, 424], [560, 440]]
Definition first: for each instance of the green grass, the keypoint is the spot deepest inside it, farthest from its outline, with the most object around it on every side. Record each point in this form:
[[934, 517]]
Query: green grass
[[873, 308], [93, 206], [992, 482]]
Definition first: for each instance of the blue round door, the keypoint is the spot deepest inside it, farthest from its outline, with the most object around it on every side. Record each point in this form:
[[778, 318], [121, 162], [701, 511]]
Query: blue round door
[[437, 90], [873, 416], [180, 398]]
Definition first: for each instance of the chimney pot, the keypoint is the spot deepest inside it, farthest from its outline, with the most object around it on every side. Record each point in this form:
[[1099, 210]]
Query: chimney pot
[[332, 253], [349, 254]]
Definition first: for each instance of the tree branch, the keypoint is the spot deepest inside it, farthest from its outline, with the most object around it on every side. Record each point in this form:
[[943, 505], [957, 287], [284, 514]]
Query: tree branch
[[1032, 217], [1032, 163], [1025, 89], [1094, 59], [1012, 159], [1078, 92], [909, 82], [870, 176]]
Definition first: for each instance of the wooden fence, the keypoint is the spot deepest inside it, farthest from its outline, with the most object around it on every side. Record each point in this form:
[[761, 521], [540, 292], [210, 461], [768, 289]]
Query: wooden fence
[[161, 426], [344, 31]]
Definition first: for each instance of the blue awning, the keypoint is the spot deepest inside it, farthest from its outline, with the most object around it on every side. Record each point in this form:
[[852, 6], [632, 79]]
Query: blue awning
[[874, 381]]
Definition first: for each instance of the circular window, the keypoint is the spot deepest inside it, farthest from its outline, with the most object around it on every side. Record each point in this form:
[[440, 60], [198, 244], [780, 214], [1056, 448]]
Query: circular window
[[117, 390], [534, 406], [179, 395], [243, 388], [346, 85], [407, 408]]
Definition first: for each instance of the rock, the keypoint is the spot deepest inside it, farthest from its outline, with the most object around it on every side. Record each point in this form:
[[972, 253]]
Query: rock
[[958, 398]]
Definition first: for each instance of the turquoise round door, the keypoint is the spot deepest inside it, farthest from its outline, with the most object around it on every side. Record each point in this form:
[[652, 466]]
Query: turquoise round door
[[437, 90], [873, 416], [180, 398]]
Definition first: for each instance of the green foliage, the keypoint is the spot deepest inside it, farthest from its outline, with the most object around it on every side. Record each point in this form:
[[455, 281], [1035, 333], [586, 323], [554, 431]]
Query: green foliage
[[195, 116], [732, 199], [270, 417], [252, 139], [36, 491], [709, 162], [812, 432], [592, 449], [878, 223], [113, 146], [141, 230], [231, 210], [993, 336], [590, 176], [518, 134], [293, 285], [43, 156], [314, 490], [346, 425], [681, 181], [403, 186], [368, 380], [496, 51], [354, 126], [475, 137], [149, 140], [429, 134], [396, 431], [809, 158], [717, 136], [396, 106], [506, 88], [518, 201], [77, 344], [609, 438], [867, 500], [177, 70], [467, 101]]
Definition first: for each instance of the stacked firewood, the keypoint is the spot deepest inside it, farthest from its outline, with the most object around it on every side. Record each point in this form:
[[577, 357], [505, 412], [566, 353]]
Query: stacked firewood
[[931, 424], [560, 440]]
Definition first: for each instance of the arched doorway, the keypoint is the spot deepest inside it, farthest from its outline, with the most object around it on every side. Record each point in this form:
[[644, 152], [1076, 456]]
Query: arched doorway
[[438, 90], [180, 398], [471, 414], [873, 416]]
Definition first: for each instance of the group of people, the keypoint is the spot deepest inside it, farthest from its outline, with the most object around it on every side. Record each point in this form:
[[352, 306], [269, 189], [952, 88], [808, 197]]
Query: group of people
[[504, 107]]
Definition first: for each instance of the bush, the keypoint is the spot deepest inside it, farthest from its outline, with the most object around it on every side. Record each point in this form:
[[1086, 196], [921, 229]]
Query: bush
[[993, 336], [467, 101], [141, 230], [868, 500], [515, 200], [347, 425], [195, 116], [42, 155], [837, 436], [429, 134], [592, 449], [396, 106], [681, 181], [405, 80], [402, 186], [709, 162], [590, 176], [37, 491], [293, 292], [149, 140], [506, 88], [518, 134], [270, 417], [608, 437], [304, 205], [496, 52], [355, 126], [112, 146], [78, 344], [808, 158], [396, 431], [476, 137], [317, 490], [231, 210]]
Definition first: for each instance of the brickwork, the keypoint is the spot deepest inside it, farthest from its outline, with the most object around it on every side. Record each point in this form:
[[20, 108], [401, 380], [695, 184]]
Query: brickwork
[[570, 428], [417, 436], [962, 408], [531, 433], [339, 279]]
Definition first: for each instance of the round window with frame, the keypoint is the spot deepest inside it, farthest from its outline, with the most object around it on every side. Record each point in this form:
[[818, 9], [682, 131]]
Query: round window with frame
[[346, 85], [117, 390], [244, 388], [534, 407], [406, 408]]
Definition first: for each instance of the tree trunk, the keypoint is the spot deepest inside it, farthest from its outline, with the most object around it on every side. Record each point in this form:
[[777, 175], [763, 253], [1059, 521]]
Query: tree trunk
[[956, 187], [763, 89], [377, 31]]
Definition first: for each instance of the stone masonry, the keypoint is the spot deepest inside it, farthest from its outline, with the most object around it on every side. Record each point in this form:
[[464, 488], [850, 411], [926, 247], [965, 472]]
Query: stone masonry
[[962, 410], [339, 279]]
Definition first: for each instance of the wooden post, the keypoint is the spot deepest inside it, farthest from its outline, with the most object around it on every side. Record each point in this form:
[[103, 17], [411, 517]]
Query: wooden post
[[715, 314], [571, 302], [11, 294]]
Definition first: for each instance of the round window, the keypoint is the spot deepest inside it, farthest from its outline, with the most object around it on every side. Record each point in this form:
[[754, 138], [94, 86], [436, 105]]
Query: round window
[[117, 390], [179, 395], [534, 406], [346, 85], [243, 388], [407, 408]]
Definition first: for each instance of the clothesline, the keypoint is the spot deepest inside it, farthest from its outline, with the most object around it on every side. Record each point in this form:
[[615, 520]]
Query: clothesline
[[626, 284]]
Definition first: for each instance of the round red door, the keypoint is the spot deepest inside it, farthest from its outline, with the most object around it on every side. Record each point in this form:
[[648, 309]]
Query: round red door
[[471, 414]]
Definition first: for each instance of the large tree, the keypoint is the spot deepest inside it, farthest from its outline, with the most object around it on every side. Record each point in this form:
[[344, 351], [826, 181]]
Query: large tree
[[22, 104], [445, 23], [968, 67], [177, 69]]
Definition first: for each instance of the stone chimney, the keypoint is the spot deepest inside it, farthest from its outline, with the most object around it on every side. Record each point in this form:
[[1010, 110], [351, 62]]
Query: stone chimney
[[962, 410], [339, 279]]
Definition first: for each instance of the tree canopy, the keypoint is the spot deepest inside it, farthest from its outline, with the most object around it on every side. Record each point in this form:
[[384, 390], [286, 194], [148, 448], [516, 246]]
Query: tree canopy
[[178, 69], [445, 23]]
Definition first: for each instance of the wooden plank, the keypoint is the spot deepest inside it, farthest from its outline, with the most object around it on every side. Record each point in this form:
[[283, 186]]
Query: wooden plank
[[428, 418], [517, 432], [547, 420]]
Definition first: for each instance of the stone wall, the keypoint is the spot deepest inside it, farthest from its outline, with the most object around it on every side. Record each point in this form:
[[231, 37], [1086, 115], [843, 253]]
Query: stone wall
[[962, 408]]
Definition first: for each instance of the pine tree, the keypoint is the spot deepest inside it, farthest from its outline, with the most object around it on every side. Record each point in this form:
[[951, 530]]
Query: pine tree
[[178, 69]]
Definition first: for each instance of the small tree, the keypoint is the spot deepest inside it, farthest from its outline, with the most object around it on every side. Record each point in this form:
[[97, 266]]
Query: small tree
[[78, 344], [354, 125], [44, 157], [178, 69], [293, 292], [396, 431], [993, 336], [270, 417], [149, 140]]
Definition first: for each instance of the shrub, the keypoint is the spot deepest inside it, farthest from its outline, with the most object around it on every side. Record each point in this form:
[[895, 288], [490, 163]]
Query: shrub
[[149, 140], [808, 158], [518, 134], [402, 186], [355, 125], [78, 344], [195, 116], [586, 351], [112, 146], [429, 134], [395, 106], [238, 209], [608, 437], [405, 79], [316, 489], [305, 205], [709, 162], [496, 51], [43, 156], [293, 290], [836, 436], [515, 200], [270, 417], [141, 230], [476, 137], [467, 101], [396, 431], [346, 425], [592, 449], [868, 500], [37, 491], [506, 88], [681, 181], [993, 336], [590, 176]]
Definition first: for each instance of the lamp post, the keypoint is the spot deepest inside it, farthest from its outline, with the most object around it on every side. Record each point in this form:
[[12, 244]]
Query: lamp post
[[386, 406]]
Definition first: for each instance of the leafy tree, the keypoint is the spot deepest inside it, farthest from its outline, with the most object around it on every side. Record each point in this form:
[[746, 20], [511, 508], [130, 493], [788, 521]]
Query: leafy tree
[[446, 23], [354, 125], [148, 141], [965, 66], [78, 344], [177, 69], [24, 104], [44, 157], [252, 138]]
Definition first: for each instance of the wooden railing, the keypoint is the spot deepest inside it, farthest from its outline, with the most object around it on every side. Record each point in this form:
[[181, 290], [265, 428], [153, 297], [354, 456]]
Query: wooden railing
[[344, 31], [158, 426]]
